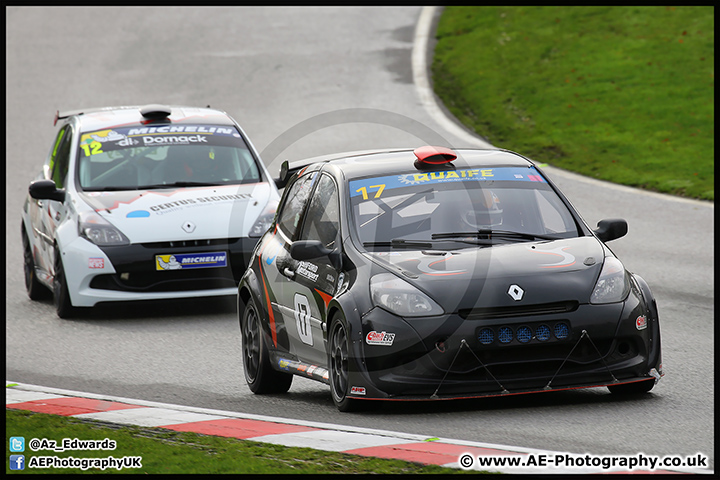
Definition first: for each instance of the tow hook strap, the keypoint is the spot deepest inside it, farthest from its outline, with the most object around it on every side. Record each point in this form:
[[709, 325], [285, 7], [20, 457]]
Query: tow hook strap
[[585, 334], [463, 343]]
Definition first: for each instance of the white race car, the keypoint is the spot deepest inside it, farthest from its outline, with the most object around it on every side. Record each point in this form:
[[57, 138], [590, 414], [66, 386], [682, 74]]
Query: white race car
[[144, 203]]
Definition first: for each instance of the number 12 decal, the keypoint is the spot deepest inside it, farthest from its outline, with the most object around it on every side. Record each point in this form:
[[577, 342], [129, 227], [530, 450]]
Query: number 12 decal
[[95, 146], [302, 318]]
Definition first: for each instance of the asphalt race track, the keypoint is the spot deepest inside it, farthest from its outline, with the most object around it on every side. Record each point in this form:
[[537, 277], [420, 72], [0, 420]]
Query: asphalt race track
[[305, 82]]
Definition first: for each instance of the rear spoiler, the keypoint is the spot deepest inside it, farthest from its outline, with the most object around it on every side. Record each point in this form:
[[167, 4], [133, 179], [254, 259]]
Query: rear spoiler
[[288, 169], [69, 113], [63, 115], [153, 108]]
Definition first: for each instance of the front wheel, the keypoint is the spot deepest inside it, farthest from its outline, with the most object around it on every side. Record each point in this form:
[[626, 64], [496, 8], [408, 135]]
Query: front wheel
[[33, 287], [63, 305], [259, 375], [338, 363]]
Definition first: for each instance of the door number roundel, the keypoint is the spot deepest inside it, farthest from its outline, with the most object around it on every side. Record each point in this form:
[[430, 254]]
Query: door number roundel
[[302, 318]]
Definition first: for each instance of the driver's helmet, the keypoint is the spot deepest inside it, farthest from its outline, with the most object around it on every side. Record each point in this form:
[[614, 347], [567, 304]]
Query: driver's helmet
[[487, 212], [201, 160], [191, 162]]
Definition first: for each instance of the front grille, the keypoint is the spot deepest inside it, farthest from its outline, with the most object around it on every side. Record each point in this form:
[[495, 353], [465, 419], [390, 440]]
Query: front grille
[[542, 333], [521, 360], [523, 334], [191, 243], [561, 331], [530, 366], [166, 281], [518, 311], [505, 335], [136, 266], [486, 336]]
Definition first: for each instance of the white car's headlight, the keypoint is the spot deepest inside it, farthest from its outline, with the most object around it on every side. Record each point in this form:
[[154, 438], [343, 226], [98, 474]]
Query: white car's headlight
[[401, 298], [99, 231], [612, 285], [264, 220]]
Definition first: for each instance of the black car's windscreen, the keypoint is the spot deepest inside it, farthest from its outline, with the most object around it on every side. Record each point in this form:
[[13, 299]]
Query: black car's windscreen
[[416, 206], [152, 157]]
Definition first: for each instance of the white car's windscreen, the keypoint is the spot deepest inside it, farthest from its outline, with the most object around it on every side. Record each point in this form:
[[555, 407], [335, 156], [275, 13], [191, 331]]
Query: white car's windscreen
[[155, 157]]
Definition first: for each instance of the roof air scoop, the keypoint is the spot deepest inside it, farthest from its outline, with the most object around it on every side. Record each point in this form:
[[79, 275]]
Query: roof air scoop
[[429, 155], [155, 111]]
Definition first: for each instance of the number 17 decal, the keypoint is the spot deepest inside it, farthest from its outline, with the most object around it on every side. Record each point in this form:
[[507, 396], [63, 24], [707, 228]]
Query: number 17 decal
[[302, 319]]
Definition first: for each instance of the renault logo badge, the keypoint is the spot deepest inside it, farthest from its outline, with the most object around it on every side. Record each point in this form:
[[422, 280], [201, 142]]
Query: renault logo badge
[[189, 227], [516, 292]]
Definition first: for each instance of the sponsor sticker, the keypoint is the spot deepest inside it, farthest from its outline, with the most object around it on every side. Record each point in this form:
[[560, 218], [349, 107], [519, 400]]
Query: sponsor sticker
[[96, 263], [103, 141], [380, 338], [182, 261], [138, 214], [373, 187], [641, 322], [357, 391], [308, 270], [322, 373]]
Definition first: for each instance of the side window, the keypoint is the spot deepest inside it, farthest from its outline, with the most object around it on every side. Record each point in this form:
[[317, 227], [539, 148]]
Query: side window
[[554, 215], [60, 157], [293, 204], [248, 169], [323, 215]]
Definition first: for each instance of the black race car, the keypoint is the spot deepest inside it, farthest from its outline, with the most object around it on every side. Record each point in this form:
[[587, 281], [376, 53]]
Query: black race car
[[438, 274]]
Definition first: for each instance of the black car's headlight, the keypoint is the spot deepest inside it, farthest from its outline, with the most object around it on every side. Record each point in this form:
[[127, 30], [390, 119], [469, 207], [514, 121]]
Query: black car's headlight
[[613, 285], [99, 231], [401, 298]]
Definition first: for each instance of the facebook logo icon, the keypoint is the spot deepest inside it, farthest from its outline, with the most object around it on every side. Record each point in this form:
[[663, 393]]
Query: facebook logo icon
[[17, 462]]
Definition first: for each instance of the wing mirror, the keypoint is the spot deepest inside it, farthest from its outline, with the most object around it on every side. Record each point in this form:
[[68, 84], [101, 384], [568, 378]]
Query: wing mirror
[[611, 228], [46, 190], [312, 249]]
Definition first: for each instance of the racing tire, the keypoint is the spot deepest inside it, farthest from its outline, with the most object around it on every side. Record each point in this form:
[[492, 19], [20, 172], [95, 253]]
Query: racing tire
[[33, 287], [338, 365], [61, 295], [632, 388], [261, 378]]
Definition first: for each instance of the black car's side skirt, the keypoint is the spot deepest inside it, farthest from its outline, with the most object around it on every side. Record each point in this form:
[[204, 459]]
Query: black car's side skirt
[[297, 367]]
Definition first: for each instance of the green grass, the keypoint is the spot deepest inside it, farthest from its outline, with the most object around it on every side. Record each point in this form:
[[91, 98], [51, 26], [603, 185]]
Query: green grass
[[166, 451], [624, 94]]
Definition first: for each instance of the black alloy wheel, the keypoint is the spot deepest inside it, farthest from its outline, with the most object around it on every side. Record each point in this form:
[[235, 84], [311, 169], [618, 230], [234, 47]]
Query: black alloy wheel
[[33, 287], [339, 362], [259, 375]]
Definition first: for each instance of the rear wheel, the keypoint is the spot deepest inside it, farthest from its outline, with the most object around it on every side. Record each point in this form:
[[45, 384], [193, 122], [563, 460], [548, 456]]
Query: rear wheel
[[63, 305], [259, 375], [35, 290], [338, 363], [632, 388]]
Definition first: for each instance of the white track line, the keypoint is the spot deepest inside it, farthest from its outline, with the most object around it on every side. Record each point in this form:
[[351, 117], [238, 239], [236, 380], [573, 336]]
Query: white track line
[[330, 437]]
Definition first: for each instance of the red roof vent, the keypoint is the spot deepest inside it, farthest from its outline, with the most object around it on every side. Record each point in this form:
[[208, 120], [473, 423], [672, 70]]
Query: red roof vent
[[434, 155]]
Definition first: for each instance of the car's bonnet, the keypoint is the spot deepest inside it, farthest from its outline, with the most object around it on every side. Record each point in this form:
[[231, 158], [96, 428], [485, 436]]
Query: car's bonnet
[[182, 214], [527, 273]]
